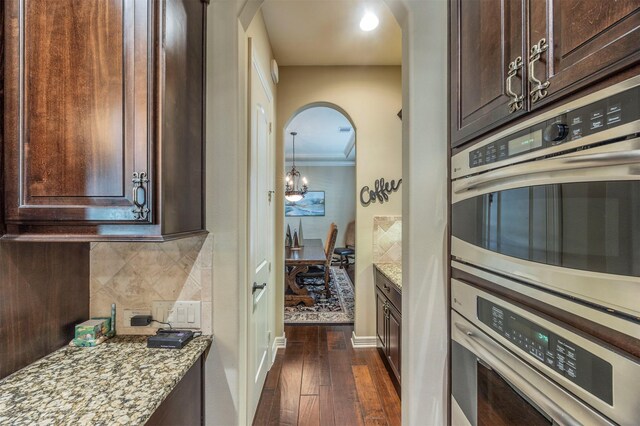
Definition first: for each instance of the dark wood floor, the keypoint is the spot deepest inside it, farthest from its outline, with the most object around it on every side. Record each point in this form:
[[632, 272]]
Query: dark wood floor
[[319, 379]]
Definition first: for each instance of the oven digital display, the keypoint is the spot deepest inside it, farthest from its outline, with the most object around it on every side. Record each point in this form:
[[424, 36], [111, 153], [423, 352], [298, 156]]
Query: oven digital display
[[537, 338], [526, 143], [576, 364]]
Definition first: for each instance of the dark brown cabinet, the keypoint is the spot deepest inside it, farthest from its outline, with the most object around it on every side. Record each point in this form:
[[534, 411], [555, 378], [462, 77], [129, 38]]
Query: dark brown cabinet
[[381, 320], [104, 119], [509, 58], [185, 404], [389, 325], [394, 339], [585, 40], [486, 40]]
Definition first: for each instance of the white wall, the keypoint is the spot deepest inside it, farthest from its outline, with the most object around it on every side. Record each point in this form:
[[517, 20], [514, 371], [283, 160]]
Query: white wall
[[227, 180], [226, 211], [372, 97], [424, 214], [339, 184]]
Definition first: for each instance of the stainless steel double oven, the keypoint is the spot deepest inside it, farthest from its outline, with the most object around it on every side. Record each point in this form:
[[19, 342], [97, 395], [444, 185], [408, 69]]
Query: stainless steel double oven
[[546, 267]]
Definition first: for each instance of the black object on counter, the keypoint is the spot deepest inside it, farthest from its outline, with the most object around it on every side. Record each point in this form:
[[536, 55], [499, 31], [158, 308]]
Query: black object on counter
[[170, 339]]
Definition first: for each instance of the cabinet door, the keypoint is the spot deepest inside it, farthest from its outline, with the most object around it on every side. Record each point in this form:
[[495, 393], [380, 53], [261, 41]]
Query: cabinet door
[[587, 40], [486, 36], [77, 110], [184, 405], [395, 340], [381, 320], [2, 229], [183, 93]]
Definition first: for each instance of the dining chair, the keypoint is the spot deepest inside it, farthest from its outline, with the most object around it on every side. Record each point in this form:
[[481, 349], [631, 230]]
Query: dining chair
[[325, 269], [349, 250]]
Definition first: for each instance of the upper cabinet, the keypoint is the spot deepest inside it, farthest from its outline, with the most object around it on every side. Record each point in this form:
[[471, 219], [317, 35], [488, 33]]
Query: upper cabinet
[[487, 52], [104, 119], [579, 42], [509, 58]]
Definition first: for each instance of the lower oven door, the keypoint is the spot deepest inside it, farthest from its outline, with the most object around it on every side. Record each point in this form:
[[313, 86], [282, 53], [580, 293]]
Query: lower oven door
[[492, 386]]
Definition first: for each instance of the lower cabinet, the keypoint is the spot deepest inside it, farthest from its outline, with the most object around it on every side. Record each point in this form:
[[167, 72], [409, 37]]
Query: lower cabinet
[[389, 327], [394, 321], [184, 405]]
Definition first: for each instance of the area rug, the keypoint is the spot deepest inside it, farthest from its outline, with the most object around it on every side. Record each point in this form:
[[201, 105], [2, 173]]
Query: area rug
[[337, 309]]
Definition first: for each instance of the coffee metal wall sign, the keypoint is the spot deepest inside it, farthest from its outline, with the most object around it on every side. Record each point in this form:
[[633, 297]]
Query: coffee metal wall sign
[[380, 192]]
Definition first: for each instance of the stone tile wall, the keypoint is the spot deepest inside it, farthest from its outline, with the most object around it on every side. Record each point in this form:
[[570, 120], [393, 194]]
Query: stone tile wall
[[133, 275], [387, 239]]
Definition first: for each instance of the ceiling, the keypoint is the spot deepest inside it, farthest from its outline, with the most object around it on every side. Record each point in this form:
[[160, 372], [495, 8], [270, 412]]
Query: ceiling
[[327, 32], [319, 140]]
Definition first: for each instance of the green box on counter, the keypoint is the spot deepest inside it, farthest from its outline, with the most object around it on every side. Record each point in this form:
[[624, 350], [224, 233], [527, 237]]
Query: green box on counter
[[106, 326], [88, 343], [90, 330]]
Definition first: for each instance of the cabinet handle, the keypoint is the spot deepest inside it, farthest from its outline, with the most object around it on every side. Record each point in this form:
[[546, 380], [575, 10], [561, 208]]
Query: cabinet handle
[[538, 88], [516, 103], [386, 309], [140, 195]]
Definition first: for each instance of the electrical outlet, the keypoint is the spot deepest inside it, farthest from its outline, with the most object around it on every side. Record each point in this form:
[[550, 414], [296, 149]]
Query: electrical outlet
[[128, 313], [180, 314]]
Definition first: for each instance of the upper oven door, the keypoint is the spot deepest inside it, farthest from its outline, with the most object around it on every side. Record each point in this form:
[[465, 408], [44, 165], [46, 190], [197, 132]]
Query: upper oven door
[[570, 224]]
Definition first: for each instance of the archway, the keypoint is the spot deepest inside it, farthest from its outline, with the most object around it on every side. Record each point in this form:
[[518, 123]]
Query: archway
[[325, 155]]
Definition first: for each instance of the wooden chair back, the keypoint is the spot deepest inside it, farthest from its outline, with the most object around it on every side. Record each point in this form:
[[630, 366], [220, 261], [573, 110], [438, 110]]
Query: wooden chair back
[[350, 235], [330, 242]]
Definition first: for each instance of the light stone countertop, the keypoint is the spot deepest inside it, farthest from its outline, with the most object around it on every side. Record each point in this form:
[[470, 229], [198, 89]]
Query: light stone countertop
[[393, 271], [120, 382]]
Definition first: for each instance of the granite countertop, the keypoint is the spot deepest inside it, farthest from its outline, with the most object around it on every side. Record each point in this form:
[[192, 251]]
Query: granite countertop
[[393, 271], [120, 382]]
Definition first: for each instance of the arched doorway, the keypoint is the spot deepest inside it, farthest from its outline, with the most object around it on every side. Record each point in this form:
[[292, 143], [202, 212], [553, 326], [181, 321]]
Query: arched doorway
[[325, 154]]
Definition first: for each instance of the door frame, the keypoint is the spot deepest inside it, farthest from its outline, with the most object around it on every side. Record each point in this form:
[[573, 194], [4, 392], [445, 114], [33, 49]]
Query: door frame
[[281, 164], [424, 69]]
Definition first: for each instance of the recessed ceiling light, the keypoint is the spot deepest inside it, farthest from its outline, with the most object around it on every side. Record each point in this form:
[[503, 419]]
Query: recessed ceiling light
[[369, 22]]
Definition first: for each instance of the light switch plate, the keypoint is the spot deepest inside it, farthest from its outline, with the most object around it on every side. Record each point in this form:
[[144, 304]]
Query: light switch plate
[[180, 314]]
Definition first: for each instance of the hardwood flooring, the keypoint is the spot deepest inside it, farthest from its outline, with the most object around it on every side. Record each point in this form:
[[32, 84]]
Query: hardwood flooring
[[320, 379]]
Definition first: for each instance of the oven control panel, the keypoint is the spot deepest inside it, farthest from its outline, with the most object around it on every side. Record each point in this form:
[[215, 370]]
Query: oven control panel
[[593, 118], [571, 361]]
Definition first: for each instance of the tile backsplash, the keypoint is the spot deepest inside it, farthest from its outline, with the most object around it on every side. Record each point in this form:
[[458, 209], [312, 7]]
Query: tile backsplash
[[133, 275], [387, 239]]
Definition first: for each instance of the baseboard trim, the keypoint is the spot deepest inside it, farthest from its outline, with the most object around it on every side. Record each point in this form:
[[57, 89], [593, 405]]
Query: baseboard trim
[[278, 343], [363, 341]]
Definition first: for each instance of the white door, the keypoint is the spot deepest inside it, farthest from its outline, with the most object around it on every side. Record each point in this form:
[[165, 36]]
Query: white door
[[261, 233]]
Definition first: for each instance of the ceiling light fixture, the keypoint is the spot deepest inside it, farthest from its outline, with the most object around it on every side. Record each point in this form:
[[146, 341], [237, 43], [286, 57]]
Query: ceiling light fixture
[[369, 22], [293, 191]]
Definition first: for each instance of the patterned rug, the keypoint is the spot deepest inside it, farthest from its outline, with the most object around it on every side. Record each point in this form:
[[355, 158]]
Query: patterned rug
[[337, 309]]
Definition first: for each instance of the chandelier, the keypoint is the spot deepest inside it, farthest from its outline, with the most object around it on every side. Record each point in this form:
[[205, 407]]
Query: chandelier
[[293, 191]]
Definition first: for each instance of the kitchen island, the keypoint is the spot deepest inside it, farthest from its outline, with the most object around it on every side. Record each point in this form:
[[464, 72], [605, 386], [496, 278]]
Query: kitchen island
[[120, 382]]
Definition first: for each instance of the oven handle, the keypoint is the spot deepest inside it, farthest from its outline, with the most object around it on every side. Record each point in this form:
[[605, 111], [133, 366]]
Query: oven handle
[[552, 409], [550, 165]]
